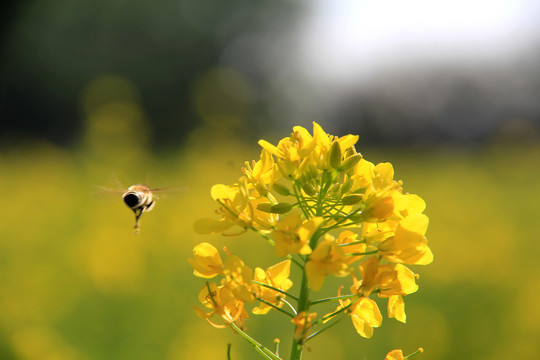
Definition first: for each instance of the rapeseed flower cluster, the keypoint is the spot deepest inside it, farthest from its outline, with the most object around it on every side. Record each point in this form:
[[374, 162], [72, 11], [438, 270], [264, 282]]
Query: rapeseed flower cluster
[[327, 212]]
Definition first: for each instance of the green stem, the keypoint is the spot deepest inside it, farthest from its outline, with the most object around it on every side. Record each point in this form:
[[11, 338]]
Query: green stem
[[266, 353], [275, 307], [301, 201], [275, 289], [296, 349], [323, 329], [364, 253], [332, 299]]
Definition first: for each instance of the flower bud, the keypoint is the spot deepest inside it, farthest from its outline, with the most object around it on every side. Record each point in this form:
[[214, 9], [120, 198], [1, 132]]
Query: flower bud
[[351, 199], [281, 208], [281, 190], [350, 162], [335, 155], [265, 207], [309, 189]]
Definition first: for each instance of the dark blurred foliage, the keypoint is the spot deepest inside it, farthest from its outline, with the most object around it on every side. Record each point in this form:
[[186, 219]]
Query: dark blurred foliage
[[52, 49], [442, 105]]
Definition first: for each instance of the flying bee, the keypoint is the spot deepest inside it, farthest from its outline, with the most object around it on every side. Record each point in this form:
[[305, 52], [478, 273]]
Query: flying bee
[[140, 199]]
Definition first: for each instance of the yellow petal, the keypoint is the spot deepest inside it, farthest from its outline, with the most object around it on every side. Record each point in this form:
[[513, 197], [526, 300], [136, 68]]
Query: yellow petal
[[384, 172], [394, 355], [366, 316], [207, 262], [271, 148], [280, 272], [316, 273], [347, 141], [396, 308], [211, 226], [223, 192], [416, 223], [406, 278]]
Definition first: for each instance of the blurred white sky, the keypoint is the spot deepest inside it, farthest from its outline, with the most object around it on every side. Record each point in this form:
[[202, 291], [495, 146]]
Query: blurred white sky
[[342, 40]]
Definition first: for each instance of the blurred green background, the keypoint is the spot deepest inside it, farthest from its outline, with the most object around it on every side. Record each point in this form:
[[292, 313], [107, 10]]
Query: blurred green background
[[177, 95]]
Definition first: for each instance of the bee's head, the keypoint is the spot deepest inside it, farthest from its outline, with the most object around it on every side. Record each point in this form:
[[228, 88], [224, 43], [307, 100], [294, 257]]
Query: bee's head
[[132, 199]]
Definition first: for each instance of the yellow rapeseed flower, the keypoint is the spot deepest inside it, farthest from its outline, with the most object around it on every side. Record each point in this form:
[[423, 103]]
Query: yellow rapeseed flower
[[327, 258], [207, 262], [365, 316], [408, 245], [276, 276], [292, 234], [223, 303]]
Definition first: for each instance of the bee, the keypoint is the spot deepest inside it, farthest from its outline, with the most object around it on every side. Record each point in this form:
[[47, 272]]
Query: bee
[[140, 199]]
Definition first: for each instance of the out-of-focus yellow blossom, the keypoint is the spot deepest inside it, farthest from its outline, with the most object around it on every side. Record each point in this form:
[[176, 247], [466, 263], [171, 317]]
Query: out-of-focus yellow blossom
[[292, 234], [365, 316], [207, 262], [223, 303], [303, 322], [237, 276], [327, 258], [276, 276], [408, 245]]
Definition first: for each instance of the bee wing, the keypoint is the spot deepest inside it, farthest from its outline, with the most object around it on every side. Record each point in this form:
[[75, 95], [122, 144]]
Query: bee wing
[[102, 190], [167, 191]]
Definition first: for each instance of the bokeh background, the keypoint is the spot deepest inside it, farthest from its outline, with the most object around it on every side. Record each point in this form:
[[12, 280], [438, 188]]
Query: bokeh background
[[177, 93]]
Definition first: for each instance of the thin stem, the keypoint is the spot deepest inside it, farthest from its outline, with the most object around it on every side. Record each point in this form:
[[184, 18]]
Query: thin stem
[[301, 201], [363, 253], [296, 348], [276, 307], [324, 318], [332, 299], [266, 353], [353, 243], [229, 345], [275, 289], [292, 307], [323, 329]]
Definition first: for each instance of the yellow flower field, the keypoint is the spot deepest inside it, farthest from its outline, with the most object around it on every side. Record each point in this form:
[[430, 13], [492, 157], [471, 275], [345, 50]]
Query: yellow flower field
[[78, 283]]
